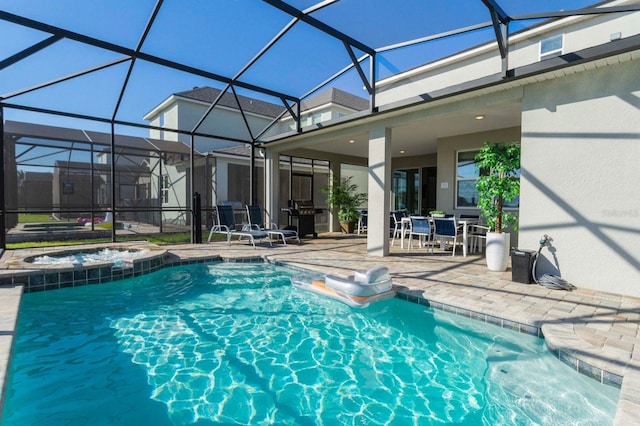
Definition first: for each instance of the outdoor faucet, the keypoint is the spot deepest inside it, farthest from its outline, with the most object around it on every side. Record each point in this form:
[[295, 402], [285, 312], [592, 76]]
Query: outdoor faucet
[[544, 240]]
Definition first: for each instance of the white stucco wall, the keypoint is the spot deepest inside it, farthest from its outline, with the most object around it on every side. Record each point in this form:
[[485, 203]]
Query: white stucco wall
[[524, 49], [447, 164], [170, 121], [359, 176], [221, 121], [580, 176]]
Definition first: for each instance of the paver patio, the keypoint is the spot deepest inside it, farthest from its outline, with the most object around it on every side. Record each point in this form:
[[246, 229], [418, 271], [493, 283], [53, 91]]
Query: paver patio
[[597, 333]]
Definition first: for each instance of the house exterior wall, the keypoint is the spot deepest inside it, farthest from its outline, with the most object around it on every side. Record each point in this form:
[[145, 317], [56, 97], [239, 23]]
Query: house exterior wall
[[35, 190], [415, 162], [169, 120], [579, 33], [580, 174], [317, 115], [447, 162], [184, 115], [524, 49], [176, 193], [221, 121]]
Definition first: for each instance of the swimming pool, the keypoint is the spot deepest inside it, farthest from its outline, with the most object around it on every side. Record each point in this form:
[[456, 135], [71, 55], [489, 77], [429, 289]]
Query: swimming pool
[[235, 343]]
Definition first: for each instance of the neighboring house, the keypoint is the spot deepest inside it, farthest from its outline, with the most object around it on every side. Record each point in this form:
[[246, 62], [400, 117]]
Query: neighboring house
[[76, 185], [329, 105], [72, 188], [183, 110], [569, 94], [35, 189], [224, 167]]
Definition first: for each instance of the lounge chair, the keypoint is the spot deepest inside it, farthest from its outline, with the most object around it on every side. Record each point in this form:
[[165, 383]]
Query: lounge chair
[[227, 225], [256, 223]]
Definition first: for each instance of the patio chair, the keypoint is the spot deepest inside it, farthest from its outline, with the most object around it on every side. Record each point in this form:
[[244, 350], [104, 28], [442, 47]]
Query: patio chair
[[227, 225], [396, 225], [362, 221], [421, 226], [476, 233], [447, 228], [256, 223]]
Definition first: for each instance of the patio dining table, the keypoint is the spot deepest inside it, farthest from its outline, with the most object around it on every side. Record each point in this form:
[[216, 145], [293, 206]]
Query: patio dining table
[[406, 224]]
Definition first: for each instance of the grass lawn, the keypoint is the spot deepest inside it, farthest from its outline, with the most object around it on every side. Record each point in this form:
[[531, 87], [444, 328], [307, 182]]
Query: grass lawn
[[38, 218], [159, 239]]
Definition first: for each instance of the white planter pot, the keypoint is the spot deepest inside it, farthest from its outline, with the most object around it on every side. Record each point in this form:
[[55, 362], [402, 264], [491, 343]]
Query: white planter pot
[[498, 251]]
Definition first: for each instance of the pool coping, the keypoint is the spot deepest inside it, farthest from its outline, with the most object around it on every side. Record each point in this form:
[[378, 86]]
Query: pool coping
[[560, 339], [555, 337], [44, 277]]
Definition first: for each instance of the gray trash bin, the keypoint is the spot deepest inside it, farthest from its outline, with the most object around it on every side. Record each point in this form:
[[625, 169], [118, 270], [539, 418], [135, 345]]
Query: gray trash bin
[[522, 265]]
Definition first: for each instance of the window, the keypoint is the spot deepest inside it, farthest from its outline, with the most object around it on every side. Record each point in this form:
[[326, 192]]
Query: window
[[550, 47], [406, 184], [164, 188], [466, 177], [161, 124], [316, 118]]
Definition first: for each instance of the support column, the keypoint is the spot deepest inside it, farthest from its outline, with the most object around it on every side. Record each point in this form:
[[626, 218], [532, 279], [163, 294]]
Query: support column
[[379, 191], [272, 186], [113, 182], [334, 175], [3, 240]]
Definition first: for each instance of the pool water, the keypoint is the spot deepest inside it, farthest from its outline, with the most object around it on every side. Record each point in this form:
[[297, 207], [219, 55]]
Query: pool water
[[235, 343]]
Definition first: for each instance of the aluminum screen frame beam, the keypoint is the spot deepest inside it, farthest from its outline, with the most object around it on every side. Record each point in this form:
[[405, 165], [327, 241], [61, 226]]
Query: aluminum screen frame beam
[[29, 51], [577, 12], [500, 21], [327, 29], [147, 28], [65, 78], [112, 47]]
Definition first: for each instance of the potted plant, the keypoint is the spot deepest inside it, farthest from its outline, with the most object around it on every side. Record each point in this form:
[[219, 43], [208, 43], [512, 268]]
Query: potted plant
[[437, 213], [499, 181], [345, 200]]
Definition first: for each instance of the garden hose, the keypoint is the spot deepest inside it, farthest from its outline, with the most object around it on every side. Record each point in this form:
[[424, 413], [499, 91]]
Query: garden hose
[[553, 282]]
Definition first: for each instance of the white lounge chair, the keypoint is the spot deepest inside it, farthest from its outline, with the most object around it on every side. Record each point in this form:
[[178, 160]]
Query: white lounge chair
[[256, 222], [227, 225]]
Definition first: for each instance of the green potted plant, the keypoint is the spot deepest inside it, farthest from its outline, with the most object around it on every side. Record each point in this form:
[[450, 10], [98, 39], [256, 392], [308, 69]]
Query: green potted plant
[[345, 200], [499, 182]]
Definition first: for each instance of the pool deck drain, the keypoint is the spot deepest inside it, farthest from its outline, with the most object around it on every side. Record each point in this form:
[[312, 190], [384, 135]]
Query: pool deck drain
[[597, 333]]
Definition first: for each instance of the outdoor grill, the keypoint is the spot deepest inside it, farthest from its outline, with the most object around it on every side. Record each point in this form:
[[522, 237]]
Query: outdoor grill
[[302, 215]]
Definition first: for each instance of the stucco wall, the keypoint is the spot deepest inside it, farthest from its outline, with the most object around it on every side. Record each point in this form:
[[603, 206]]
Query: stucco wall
[[580, 174], [524, 49], [221, 122], [447, 149]]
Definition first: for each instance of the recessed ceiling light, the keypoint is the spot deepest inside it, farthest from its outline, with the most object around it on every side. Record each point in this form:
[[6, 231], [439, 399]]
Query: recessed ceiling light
[[351, 141], [479, 117], [402, 151]]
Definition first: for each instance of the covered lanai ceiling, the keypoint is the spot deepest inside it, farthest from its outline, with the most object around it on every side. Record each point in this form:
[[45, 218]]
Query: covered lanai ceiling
[[112, 62]]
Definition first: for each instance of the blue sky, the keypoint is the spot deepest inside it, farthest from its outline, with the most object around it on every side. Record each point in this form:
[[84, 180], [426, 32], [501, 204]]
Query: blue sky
[[221, 37]]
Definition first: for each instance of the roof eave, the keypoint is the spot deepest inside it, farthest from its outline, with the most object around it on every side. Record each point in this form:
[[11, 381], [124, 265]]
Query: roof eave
[[518, 76]]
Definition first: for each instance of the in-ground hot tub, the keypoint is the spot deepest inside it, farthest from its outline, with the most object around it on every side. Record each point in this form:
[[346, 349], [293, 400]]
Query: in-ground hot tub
[[59, 268], [119, 256]]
